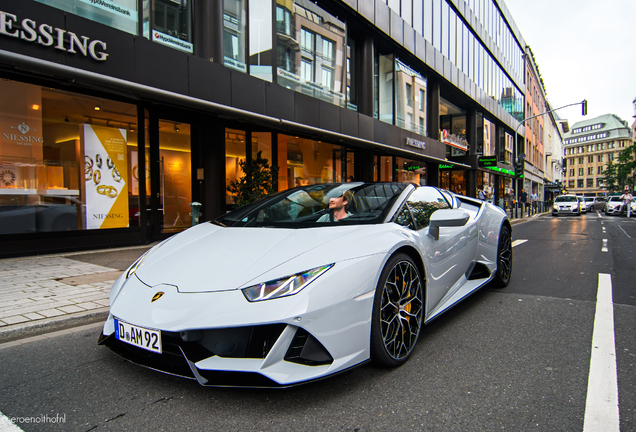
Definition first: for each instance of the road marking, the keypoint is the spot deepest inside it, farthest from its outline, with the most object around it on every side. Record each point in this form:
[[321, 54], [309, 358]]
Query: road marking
[[518, 242], [624, 231], [604, 230], [601, 404], [7, 425], [604, 248]]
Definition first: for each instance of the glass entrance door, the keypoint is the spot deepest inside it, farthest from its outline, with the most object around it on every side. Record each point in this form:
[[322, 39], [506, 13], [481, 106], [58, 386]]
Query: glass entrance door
[[175, 166]]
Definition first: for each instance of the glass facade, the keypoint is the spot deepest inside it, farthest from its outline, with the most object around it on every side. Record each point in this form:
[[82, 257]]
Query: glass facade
[[67, 161], [119, 14], [311, 48], [234, 31]]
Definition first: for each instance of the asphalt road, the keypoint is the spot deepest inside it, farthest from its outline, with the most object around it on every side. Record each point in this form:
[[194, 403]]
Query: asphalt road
[[514, 359]]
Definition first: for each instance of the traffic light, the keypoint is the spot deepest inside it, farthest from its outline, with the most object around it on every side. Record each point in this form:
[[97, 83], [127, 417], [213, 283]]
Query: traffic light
[[584, 107], [519, 168]]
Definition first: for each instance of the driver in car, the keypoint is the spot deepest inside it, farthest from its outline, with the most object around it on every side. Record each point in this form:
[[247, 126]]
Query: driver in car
[[337, 208]]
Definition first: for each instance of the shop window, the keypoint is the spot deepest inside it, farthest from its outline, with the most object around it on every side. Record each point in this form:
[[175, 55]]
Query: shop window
[[453, 129], [171, 23], [234, 31], [303, 162], [122, 15], [175, 159], [579, 183], [235, 152], [311, 60], [408, 170], [67, 161], [590, 182]]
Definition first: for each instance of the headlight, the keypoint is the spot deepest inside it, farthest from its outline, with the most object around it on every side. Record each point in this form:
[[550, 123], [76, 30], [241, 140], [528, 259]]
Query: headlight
[[283, 287], [554, 206]]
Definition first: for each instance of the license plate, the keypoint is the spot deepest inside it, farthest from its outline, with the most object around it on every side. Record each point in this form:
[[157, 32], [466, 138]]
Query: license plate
[[141, 337]]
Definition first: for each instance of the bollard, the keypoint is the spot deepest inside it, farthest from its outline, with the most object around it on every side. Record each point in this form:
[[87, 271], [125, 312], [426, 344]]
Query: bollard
[[196, 212]]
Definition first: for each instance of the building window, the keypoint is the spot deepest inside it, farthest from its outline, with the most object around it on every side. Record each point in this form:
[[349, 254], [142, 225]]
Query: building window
[[599, 170], [122, 16], [590, 182], [315, 60], [408, 82], [590, 159], [579, 183], [172, 25], [599, 182], [580, 171], [572, 172], [261, 45], [590, 170], [234, 32], [599, 158], [581, 161]]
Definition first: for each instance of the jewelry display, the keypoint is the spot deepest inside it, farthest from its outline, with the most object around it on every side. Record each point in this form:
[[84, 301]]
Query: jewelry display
[[116, 175], [88, 173], [97, 177], [109, 191], [98, 160], [110, 163]]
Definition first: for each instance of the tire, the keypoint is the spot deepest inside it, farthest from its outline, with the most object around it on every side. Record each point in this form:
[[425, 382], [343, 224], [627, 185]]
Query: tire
[[398, 312], [504, 259]]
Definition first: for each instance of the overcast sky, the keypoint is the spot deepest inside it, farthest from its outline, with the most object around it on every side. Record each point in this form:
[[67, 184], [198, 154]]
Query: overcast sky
[[585, 49]]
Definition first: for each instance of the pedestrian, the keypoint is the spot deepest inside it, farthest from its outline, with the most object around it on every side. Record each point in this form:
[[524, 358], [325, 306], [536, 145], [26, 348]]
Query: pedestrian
[[627, 198], [523, 199], [535, 201], [481, 195]]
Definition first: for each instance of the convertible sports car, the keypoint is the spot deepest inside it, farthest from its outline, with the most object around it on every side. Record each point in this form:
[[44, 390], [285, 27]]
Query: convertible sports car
[[306, 283]]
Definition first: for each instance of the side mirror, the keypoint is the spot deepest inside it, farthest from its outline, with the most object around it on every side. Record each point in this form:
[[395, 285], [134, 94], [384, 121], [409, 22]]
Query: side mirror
[[446, 218]]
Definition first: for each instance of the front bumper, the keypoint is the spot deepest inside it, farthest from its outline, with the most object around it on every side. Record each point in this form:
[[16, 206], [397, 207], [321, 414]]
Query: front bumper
[[221, 339], [564, 210]]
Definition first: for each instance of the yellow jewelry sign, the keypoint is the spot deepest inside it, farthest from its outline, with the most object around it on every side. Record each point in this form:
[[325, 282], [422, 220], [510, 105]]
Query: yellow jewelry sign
[[105, 174]]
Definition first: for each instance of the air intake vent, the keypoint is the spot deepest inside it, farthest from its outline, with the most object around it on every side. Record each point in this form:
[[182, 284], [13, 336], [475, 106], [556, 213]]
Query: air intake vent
[[305, 349]]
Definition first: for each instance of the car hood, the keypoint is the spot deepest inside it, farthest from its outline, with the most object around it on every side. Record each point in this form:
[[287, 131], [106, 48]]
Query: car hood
[[209, 258]]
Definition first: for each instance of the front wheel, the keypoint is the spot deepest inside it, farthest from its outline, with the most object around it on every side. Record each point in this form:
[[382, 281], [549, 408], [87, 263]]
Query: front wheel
[[504, 259], [398, 312]]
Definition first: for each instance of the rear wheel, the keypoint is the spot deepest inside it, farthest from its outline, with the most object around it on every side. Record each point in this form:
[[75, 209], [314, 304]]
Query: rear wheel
[[504, 259], [398, 311]]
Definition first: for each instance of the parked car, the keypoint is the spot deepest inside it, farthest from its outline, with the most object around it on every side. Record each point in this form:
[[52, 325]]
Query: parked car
[[581, 204], [567, 205], [286, 290], [614, 205], [589, 204], [599, 203]]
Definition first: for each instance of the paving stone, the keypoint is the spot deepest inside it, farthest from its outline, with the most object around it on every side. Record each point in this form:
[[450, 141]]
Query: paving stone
[[52, 313], [15, 319], [71, 309]]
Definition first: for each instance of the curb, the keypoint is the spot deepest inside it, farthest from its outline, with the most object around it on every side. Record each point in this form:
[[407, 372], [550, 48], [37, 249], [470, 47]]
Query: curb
[[24, 330]]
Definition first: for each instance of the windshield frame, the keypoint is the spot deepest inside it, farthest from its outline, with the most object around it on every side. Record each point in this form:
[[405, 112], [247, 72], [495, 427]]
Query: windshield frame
[[311, 202]]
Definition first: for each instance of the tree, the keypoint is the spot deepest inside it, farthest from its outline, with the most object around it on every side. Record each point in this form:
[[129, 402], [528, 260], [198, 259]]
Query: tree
[[620, 174], [609, 177], [256, 182]]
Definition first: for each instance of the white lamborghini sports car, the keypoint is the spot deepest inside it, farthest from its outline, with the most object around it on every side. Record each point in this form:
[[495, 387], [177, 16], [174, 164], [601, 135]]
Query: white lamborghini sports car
[[306, 283]]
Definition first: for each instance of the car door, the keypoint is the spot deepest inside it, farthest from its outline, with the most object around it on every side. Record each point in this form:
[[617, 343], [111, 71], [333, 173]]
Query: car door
[[447, 258]]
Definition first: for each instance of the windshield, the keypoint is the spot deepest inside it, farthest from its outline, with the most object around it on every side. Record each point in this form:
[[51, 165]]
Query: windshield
[[566, 199], [318, 205]]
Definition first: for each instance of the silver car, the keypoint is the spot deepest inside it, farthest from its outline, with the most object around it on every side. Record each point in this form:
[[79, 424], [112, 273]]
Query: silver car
[[567, 205], [582, 205], [589, 203]]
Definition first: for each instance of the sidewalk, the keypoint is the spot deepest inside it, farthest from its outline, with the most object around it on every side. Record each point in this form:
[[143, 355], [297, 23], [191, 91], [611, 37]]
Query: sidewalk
[[53, 292]]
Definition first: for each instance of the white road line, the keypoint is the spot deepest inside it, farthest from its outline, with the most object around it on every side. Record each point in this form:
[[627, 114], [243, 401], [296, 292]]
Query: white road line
[[6, 425], [601, 405], [604, 248], [624, 231], [518, 242]]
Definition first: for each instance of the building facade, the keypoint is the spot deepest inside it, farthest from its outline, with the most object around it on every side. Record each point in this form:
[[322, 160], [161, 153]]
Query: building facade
[[116, 115], [589, 146], [533, 149], [554, 128]]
